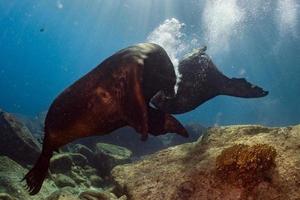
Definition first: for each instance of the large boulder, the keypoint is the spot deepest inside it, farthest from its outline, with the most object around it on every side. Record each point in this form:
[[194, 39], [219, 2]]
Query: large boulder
[[34, 123], [233, 162], [16, 141]]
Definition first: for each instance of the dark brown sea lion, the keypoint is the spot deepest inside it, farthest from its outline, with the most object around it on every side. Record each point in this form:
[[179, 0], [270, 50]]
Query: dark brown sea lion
[[201, 81], [114, 94]]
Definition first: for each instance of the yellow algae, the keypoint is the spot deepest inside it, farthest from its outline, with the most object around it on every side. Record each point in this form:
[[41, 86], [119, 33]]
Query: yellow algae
[[246, 165]]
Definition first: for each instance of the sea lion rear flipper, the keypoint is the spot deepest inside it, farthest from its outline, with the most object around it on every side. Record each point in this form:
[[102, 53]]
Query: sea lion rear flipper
[[161, 123], [35, 177], [136, 108], [240, 87]]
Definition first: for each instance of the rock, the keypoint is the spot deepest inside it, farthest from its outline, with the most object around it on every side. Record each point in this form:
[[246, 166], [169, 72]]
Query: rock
[[95, 195], [4, 196], [89, 171], [75, 169], [124, 197], [216, 165], [62, 180], [63, 194], [35, 124], [78, 177], [108, 156], [194, 130], [96, 181], [16, 141], [11, 174], [63, 162], [247, 166], [79, 159], [84, 150], [128, 138]]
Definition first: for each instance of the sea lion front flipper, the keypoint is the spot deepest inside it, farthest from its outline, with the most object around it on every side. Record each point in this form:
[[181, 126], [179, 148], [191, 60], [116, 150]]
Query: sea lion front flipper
[[240, 87], [161, 123], [136, 108]]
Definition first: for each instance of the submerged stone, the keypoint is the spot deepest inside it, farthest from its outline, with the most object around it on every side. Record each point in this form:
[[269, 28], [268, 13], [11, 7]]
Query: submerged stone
[[11, 174], [100, 195], [63, 194], [108, 156], [63, 162], [62, 180], [96, 181], [79, 159], [85, 151], [4, 196], [16, 141]]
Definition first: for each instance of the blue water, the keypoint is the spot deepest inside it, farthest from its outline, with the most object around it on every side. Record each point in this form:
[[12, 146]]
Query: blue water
[[46, 45]]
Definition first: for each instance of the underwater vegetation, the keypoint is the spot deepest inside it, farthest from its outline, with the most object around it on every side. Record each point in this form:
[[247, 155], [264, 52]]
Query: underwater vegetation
[[246, 165]]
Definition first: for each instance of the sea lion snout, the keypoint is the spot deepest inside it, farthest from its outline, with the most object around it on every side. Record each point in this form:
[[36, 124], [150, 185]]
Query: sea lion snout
[[258, 91], [240, 87], [265, 93]]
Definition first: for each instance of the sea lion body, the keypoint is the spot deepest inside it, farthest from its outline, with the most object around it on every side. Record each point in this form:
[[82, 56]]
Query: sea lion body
[[114, 94], [201, 81]]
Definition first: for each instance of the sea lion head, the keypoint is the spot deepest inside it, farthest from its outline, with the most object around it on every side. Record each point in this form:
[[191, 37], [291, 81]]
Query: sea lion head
[[201, 81], [196, 84], [240, 87]]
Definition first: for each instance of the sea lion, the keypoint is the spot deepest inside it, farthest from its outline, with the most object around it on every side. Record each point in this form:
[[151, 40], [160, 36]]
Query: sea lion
[[201, 81], [114, 94]]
